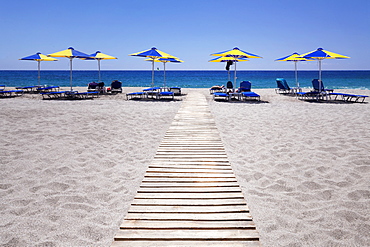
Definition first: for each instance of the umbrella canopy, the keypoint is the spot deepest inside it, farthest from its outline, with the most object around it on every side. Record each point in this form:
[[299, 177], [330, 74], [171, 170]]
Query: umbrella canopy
[[294, 57], [321, 54], [152, 54], [69, 53], [99, 56], [164, 61], [229, 61], [235, 53], [38, 57]]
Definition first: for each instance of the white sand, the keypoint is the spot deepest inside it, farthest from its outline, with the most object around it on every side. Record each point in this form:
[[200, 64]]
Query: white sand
[[69, 169]]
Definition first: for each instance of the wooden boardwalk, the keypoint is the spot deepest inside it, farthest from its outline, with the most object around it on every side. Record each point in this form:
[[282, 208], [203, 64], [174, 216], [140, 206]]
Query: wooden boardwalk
[[189, 196]]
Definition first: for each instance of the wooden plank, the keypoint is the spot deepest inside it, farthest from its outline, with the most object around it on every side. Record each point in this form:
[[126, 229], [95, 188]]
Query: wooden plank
[[189, 190], [187, 209], [202, 196], [239, 224], [178, 235], [189, 216], [190, 202], [192, 170], [187, 185], [188, 175], [184, 166], [188, 180], [183, 243]]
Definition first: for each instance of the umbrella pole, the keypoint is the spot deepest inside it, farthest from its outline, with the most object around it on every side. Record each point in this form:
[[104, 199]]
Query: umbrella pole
[[319, 75], [228, 75], [70, 72], [296, 74], [235, 74], [38, 74], [164, 74], [153, 72], [99, 69]]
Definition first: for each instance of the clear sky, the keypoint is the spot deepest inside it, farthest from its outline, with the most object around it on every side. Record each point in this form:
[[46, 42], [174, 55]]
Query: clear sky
[[188, 29]]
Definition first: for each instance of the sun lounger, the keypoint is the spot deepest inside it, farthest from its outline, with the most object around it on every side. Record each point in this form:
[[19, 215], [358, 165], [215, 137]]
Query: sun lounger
[[175, 90], [218, 95], [349, 97], [250, 95], [116, 87], [10, 93], [316, 86], [2, 87], [28, 89], [48, 89], [245, 86], [170, 95], [216, 89], [135, 95]]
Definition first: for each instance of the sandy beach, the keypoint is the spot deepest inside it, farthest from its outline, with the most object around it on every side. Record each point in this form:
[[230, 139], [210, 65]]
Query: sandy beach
[[70, 169]]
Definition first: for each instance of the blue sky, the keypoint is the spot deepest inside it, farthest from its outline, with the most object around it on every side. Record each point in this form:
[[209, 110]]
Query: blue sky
[[188, 29]]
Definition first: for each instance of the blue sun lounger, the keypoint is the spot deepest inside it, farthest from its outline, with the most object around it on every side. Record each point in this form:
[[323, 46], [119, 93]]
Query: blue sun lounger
[[10, 93], [218, 95], [135, 95], [166, 94], [250, 95], [349, 97], [316, 86]]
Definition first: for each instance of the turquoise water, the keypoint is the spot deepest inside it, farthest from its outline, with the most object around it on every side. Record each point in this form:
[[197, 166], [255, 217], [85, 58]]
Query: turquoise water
[[188, 79]]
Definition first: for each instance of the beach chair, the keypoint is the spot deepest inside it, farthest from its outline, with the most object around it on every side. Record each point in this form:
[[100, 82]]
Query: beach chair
[[316, 86], [229, 87], [175, 90], [92, 87], [166, 94], [250, 96], [218, 95], [135, 95], [217, 88], [245, 86], [2, 87], [116, 87], [48, 89], [349, 97], [282, 86], [10, 93]]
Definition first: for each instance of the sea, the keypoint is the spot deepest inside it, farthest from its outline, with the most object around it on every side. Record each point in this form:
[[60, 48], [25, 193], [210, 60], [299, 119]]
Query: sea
[[357, 79]]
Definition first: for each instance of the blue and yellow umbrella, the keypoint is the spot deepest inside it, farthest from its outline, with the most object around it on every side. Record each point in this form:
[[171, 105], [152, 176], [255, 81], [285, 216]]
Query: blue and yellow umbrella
[[69, 53], [164, 61], [99, 56], [153, 54], [236, 53], [294, 57], [38, 57], [321, 54]]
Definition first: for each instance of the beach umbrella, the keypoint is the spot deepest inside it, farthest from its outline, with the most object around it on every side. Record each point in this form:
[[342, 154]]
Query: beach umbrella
[[294, 57], [321, 54], [152, 54], [235, 53], [69, 53], [229, 61], [38, 57], [99, 56], [164, 61]]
